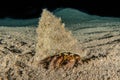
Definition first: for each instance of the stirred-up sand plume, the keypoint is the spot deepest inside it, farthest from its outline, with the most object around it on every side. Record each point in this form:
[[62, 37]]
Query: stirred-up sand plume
[[53, 38]]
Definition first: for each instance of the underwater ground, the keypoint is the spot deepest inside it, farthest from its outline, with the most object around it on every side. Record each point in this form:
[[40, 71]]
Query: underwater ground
[[98, 36]]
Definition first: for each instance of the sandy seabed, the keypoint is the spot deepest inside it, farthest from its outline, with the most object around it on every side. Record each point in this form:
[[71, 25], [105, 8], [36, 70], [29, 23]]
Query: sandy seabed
[[99, 39]]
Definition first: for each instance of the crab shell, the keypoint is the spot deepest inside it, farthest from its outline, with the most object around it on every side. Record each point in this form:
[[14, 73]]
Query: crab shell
[[66, 60]]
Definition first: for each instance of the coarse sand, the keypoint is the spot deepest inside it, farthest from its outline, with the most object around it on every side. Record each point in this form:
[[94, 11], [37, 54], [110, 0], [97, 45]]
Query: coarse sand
[[99, 39]]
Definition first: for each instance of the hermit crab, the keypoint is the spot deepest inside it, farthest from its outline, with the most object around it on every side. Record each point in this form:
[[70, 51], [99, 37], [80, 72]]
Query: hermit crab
[[65, 60]]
